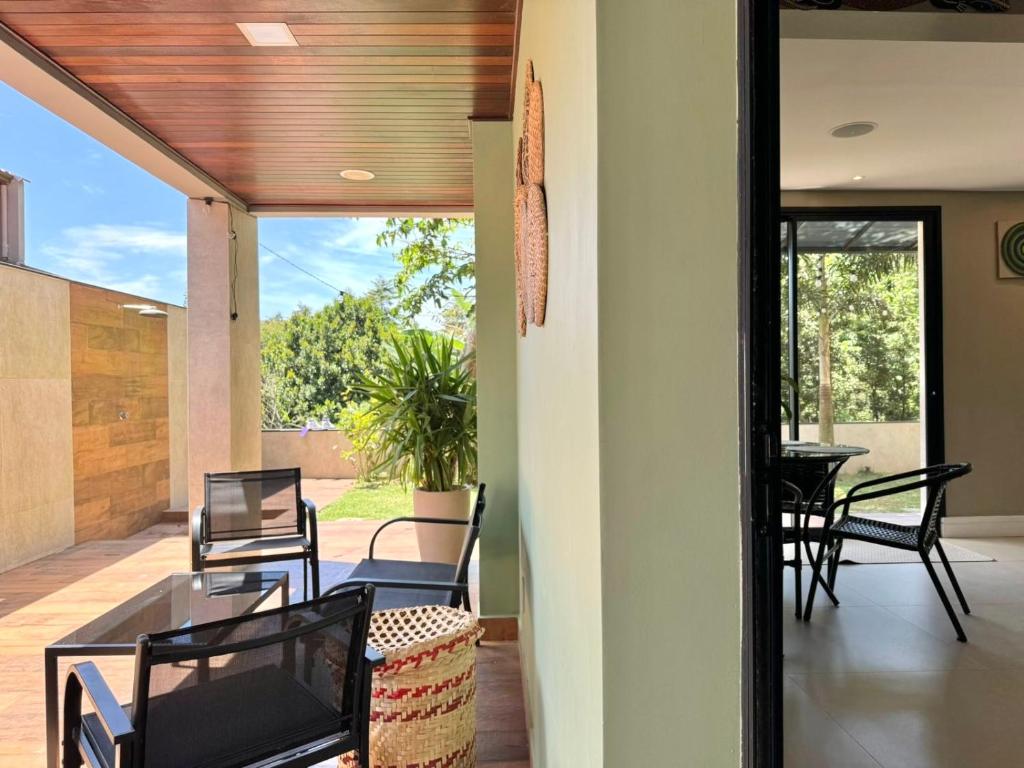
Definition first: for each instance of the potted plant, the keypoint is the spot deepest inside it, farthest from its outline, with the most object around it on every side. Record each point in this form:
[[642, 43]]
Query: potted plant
[[421, 423]]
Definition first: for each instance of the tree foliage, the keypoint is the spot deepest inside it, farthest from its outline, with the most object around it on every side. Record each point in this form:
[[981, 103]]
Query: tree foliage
[[311, 359], [437, 270], [871, 305], [419, 422]]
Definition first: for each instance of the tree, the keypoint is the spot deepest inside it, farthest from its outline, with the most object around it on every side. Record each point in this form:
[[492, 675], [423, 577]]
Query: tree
[[437, 270], [858, 343], [311, 359]]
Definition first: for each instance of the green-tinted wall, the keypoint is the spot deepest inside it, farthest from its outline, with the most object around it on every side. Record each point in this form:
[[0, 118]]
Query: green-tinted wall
[[668, 312], [559, 476], [628, 396], [496, 367]]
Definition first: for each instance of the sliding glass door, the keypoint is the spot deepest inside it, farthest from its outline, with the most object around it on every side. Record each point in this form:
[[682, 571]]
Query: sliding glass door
[[861, 364]]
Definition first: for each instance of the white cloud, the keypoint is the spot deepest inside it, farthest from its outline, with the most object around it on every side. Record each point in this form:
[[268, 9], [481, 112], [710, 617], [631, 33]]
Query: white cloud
[[129, 238], [143, 260], [358, 235]]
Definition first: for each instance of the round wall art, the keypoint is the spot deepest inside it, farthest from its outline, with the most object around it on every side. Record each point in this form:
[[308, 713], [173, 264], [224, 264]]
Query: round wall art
[[1011, 249], [531, 219]]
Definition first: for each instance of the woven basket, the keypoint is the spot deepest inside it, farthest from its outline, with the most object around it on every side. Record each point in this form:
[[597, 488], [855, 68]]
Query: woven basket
[[520, 258], [423, 708], [535, 230], [533, 129]]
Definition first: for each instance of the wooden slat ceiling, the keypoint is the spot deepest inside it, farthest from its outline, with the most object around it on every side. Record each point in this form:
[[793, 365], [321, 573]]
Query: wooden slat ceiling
[[381, 85]]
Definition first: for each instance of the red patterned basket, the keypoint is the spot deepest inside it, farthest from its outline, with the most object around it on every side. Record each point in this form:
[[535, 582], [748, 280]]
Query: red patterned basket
[[423, 709]]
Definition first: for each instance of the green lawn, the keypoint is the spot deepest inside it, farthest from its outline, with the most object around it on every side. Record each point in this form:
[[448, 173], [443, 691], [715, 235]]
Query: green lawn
[[371, 501], [903, 502]]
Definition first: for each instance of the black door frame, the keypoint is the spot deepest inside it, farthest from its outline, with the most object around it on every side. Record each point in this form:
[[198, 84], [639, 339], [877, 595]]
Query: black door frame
[[930, 217], [760, 381], [760, 385]]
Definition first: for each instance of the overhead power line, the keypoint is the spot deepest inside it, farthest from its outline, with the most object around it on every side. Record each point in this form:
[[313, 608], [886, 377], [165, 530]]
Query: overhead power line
[[302, 269]]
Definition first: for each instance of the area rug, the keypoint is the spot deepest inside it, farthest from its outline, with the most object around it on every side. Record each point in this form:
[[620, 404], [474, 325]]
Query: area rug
[[863, 553]]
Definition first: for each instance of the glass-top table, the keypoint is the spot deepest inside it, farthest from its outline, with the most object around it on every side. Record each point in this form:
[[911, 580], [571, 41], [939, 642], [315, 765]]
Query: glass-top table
[[793, 449], [175, 602]]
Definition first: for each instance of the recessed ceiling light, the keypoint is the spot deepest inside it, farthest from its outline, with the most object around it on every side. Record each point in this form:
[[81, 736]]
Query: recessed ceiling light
[[853, 130], [858, 178], [264, 33], [354, 174]]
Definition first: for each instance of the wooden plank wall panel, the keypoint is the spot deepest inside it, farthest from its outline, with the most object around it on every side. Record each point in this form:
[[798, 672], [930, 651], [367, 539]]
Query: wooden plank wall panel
[[381, 85], [119, 415]]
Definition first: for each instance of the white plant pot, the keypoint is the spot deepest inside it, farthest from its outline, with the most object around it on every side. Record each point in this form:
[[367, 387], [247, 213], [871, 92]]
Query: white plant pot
[[441, 543]]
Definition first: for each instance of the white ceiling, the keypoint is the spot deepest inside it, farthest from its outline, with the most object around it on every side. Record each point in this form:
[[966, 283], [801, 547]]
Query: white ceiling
[[950, 114]]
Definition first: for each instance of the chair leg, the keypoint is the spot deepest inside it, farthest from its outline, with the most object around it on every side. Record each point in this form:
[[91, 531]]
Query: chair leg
[[314, 565], [820, 579], [952, 577], [816, 577], [833, 565], [798, 585], [942, 596], [305, 579]]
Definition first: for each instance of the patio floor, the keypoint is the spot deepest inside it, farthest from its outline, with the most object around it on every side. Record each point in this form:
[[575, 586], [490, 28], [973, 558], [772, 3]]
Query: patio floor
[[46, 599]]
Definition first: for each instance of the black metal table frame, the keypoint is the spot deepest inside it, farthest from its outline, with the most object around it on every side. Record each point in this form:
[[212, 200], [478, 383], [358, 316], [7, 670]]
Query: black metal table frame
[[838, 460], [57, 651]]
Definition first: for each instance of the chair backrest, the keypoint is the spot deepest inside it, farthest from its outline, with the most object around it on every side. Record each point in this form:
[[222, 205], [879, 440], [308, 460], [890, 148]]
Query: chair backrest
[[476, 522], [261, 686], [245, 505], [936, 478]]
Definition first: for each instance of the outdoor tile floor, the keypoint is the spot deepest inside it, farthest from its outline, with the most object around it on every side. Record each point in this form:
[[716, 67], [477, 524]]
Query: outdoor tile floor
[[44, 600], [882, 682]]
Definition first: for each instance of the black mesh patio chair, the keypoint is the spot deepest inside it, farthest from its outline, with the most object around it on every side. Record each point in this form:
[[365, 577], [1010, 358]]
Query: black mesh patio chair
[[256, 517], [808, 491], [792, 533], [913, 538], [285, 687], [408, 583]]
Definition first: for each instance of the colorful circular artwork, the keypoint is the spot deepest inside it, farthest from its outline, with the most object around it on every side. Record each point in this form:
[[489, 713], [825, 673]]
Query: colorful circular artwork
[[1011, 249]]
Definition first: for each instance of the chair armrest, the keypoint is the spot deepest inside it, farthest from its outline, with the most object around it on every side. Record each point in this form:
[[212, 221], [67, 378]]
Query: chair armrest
[[86, 677], [311, 531], [438, 586], [794, 490], [198, 524], [427, 520]]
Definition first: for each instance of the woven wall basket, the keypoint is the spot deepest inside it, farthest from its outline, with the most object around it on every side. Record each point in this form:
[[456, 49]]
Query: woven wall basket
[[531, 219], [423, 706], [536, 253], [534, 129], [520, 257]]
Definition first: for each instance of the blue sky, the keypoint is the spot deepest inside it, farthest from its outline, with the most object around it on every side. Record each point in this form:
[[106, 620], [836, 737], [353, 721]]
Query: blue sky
[[93, 216]]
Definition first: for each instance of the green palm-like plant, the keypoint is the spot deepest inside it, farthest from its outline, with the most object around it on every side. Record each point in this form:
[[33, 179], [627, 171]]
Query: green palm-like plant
[[421, 417]]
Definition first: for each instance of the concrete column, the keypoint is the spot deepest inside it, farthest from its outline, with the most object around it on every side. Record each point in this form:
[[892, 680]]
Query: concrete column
[[223, 343], [496, 366]]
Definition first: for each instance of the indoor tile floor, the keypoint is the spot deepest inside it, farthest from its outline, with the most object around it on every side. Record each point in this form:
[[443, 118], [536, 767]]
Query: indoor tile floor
[[882, 680]]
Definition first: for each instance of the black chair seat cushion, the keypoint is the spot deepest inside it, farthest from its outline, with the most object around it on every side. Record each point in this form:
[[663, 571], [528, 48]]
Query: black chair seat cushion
[[186, 725], [406, 570], [878, 532]]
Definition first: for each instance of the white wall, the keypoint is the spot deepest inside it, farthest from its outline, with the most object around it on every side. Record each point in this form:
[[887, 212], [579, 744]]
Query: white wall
[[37, 505]]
